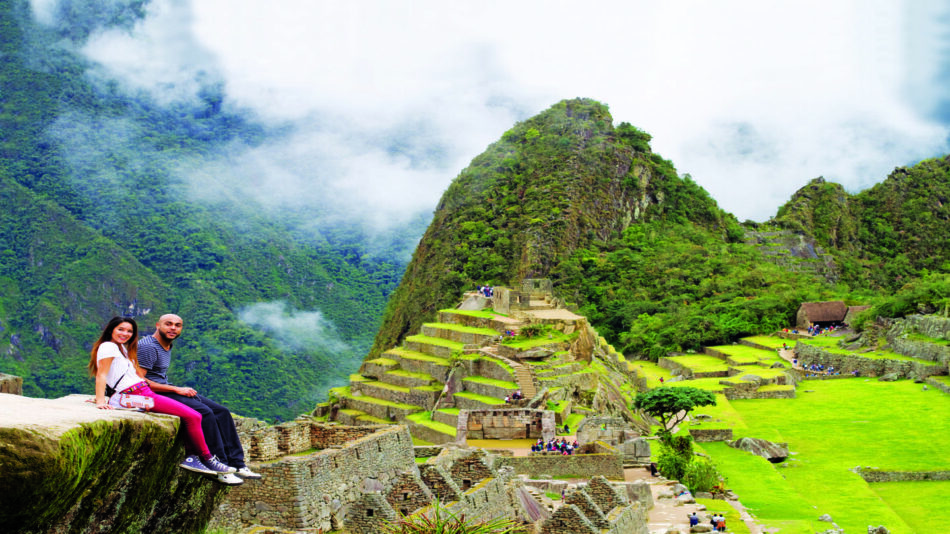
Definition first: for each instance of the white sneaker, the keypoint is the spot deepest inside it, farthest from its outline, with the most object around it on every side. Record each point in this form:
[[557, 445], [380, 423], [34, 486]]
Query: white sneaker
[[245, 472], [229, 479]]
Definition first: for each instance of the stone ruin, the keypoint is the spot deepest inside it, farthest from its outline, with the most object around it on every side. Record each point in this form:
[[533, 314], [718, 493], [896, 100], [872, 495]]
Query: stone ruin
[[505, 423], [325, 476], [616, 433]]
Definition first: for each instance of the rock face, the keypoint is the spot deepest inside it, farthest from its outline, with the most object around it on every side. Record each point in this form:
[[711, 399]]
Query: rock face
[[78, 469], [772, 452]]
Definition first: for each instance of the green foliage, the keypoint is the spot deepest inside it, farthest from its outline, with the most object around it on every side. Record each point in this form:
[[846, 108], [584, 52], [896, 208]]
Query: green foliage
[[671, 465], [700, 475], [929, 294], [97, 223], [438, 519], [671, 405]]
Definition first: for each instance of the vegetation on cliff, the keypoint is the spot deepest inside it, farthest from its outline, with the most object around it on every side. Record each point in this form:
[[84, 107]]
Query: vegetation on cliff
[[646, 254], [98, 221]]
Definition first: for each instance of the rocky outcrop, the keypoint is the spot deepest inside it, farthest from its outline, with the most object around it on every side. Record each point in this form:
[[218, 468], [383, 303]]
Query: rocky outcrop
[[68, 467], [772, 452], [11, 384]]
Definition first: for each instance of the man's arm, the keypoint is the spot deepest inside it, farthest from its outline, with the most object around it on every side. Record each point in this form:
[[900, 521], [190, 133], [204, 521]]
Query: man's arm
[[157, 388]]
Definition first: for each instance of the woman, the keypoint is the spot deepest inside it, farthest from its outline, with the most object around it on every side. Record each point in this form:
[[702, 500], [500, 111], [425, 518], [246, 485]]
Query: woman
[[114, 364]]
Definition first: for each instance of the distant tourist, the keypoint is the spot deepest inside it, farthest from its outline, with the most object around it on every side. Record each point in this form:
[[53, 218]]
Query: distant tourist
[[693, 519], [155, 354], [114, 363]]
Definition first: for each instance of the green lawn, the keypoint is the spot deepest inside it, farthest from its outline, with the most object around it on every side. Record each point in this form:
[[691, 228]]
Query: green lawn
[[484, 314], [462, 328], [768, 341], [923, 511], [839, 425], [700, 363]]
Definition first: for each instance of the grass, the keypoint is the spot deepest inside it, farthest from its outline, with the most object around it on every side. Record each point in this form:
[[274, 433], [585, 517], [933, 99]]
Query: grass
[[925, 510], [462, 328], [437, 341], [484, 314], [424, 419], [557, 406], [385, 385], [345, 392], [501, 363], [734, 523], [841, 424], [942, 379], [490, 382], [382, 361], [550, 339], [700, 363], [651, 371], [574, 421], [450, 411], [920, 337], [767, 341], [420, 356], [373, 419], [484, 399], [830, 344]]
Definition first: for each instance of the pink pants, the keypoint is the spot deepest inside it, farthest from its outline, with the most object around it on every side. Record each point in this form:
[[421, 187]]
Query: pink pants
[[191, 419]]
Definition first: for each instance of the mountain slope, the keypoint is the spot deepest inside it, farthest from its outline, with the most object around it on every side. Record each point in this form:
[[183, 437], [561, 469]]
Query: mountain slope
[[568, 196]]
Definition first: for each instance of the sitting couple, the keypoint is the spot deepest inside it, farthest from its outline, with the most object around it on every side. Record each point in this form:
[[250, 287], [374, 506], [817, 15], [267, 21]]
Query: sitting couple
[[122, 364]]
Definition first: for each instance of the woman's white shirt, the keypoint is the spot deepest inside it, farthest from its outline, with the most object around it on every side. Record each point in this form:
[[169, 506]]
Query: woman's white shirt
[[122, 373]]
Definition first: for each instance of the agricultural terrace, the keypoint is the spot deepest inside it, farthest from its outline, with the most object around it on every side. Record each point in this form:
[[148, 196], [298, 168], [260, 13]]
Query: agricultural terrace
[[831, 427]]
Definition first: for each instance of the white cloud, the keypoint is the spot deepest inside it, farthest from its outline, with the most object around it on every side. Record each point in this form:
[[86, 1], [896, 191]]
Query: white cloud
[[296, 329], [381, 103]]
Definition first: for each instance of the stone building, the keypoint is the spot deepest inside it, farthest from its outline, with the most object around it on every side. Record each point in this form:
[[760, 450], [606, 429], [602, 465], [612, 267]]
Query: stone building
[[505, 423], [822, 314]]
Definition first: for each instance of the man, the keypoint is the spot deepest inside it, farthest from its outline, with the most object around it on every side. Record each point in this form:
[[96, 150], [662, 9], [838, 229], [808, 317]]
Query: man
[[154, 354]]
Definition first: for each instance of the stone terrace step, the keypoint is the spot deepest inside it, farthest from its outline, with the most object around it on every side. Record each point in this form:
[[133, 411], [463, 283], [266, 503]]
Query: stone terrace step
[[419, 362], [433, 346], [499, 323], [408, 379], [472, 401], [489, 387], [417, 396], [380, 408], [460, 333], [448, 416], [378, 366]]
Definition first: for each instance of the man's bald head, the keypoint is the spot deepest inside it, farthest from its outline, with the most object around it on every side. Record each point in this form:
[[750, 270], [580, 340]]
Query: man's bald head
[[167, 329]]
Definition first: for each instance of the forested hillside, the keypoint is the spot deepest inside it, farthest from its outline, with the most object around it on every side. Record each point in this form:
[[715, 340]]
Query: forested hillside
[[646, 254], [97, 222]]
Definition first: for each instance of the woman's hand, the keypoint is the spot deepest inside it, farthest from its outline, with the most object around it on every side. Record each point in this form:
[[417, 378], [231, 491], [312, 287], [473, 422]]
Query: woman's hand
[[103, 405]]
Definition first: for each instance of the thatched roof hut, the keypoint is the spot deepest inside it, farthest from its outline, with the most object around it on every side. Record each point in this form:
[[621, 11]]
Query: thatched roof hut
[[821, 313]]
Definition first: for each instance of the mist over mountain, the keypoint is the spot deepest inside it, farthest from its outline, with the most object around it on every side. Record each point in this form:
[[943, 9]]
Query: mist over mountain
[[118, 200]]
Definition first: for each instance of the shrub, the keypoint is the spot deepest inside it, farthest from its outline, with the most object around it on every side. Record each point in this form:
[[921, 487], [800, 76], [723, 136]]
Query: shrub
[[701, 475], [438, 520]]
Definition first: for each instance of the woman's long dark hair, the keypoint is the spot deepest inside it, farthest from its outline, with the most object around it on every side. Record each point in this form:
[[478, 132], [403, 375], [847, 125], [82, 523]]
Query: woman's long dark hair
[[131, 346]]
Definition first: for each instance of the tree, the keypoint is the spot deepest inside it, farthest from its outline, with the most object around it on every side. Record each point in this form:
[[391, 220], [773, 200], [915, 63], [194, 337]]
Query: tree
[[671, 405]]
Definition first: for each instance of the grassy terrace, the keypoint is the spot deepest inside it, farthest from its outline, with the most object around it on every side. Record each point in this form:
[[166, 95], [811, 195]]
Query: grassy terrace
[[345, 392], [358, 378], [920, 337], [414, 355], [491, 382], [766, 341], [830, 344], [531, 343], [450, 411], [410, 374], [700, 363], [649, 370], [425, 419], [849, 422], [382, 361], [373, 419], [384, 385], [573, 421], [437, 341], [484, 314], [477, 356], [942, 379], [461, 328], [746, 354], [484, 399]]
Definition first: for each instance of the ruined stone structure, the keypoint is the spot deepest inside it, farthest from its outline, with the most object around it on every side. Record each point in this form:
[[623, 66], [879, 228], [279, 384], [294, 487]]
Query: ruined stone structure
[[845, 363], [597, 508], [505, 423]]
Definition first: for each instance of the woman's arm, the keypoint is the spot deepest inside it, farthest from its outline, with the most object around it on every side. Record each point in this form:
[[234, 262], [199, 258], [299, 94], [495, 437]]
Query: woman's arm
[[101, 376]]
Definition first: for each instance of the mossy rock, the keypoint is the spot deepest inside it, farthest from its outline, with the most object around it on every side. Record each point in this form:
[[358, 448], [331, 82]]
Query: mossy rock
[[70, 467]]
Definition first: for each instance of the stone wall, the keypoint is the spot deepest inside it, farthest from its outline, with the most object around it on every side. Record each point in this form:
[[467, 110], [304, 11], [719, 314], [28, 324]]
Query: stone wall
[[575, 465], [938, 384], [11, 384], [506, 300], [505, 423], [702, 435], [318, 490], [873, 475], [844, 363], [932, 326], [597, 508]]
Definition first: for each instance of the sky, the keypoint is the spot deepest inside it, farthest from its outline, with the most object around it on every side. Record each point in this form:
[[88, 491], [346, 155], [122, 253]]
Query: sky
[[380, 105]]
